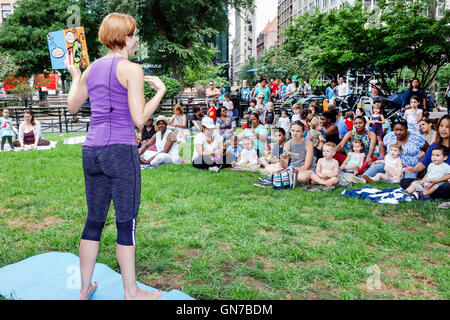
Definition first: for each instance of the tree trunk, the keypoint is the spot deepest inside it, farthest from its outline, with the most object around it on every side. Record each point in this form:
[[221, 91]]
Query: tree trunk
[[178, 74]]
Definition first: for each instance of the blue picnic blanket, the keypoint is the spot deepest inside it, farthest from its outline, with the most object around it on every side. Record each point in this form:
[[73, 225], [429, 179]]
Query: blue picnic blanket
[[388, 196], [56, 276]]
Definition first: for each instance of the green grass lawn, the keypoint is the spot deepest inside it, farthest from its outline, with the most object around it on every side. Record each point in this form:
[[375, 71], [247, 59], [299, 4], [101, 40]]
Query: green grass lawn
[[216, 236]]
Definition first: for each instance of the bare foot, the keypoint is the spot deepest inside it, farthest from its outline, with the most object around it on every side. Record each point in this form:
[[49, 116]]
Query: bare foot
[[89, 292], [144, 295]]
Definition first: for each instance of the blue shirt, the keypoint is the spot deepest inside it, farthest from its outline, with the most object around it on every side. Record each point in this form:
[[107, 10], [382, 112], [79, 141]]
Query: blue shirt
[[426, 160], [245, 94], [411, 149], [6, 127], [329, 92], [342, 127], [266, 92]]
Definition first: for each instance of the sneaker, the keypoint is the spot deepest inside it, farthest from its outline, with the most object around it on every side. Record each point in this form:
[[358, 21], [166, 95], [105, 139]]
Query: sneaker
[[260, 185], [265, 180], [214, 169], [353, 179], [367, 178], [417, 195]]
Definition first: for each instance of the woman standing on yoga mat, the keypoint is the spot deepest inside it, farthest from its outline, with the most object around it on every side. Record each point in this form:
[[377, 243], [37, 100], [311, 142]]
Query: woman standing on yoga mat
[[115, 87]]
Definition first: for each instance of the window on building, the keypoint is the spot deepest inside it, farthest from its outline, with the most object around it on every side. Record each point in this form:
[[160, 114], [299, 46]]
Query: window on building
[[7, 9]]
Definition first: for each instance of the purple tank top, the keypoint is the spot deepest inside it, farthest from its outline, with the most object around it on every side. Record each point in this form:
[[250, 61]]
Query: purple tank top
[[106, 127]]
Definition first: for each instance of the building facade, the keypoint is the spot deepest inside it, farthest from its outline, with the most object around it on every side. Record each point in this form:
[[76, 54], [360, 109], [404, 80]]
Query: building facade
[[285, 11], [7, 7], [267, 38], [244, 43]]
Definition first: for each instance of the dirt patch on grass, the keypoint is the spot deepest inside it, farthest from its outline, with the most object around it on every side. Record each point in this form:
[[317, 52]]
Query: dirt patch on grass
[[263, 263], [33, 225], [255, 284], [166, 282]]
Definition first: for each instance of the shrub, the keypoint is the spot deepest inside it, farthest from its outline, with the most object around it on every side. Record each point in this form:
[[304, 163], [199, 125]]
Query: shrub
[[173, 88]]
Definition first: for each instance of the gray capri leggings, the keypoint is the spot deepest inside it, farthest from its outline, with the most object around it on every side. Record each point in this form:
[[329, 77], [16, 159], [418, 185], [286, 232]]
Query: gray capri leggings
[[112, 172]]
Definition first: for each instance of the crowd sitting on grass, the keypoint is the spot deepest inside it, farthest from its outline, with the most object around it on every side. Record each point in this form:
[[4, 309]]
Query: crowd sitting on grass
[[312, 143]]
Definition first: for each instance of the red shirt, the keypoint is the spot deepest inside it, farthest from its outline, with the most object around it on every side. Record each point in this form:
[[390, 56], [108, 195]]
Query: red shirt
[[274, 87], [212, 113], [349, 124]]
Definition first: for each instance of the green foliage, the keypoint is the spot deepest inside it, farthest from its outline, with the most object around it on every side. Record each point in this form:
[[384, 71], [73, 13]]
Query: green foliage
[[178, 34], [205, 73], [173, 88], [385, 42], [24, 34], [22, 90]]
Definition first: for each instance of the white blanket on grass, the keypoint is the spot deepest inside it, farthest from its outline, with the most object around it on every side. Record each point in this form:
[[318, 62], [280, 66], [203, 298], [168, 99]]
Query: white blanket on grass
[[27, 147]]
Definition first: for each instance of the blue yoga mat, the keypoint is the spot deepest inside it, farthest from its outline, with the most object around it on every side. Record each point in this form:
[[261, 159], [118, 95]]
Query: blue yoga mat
[[56, 276]]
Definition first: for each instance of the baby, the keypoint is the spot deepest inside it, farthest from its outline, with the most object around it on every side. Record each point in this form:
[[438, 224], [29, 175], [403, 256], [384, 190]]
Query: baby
[[248, 156], [327, 168], [355, 159], [392, 166], [437, 173], [313, 134]]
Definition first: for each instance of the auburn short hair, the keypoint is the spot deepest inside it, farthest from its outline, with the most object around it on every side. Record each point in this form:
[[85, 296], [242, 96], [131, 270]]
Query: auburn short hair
[[114, 30]]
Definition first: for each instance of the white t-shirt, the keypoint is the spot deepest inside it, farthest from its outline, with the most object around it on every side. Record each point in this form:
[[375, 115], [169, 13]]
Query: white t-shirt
[[437, 171], [249, 155], [284, 123], [207, 147], [342, 90]]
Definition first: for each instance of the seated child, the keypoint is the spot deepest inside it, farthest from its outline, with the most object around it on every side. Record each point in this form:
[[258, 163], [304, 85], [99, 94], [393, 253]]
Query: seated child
[[316, 136], [297, 108], [271, 162], [355, 158], [437, 173], [250, 110], [327, 168], [392, 165], [248, 156], [284, 123], [235, 148], [349, 116], [269, 117]]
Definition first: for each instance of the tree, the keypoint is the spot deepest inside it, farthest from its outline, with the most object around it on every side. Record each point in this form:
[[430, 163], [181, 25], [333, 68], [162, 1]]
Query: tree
[[23, 35], [384, 43], [178, 33]]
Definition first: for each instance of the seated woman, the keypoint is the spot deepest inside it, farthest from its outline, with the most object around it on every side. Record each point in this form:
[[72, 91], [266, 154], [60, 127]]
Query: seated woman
[[166, 146], [412, 144], [304, 150], [208, 148], [179, 122], [442, 138], [225, 124], [257, 132], [147, 132], [30, 132]]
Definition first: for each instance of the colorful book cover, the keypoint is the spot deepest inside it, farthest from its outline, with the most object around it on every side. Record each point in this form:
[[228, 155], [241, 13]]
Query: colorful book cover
[[71, 43]]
